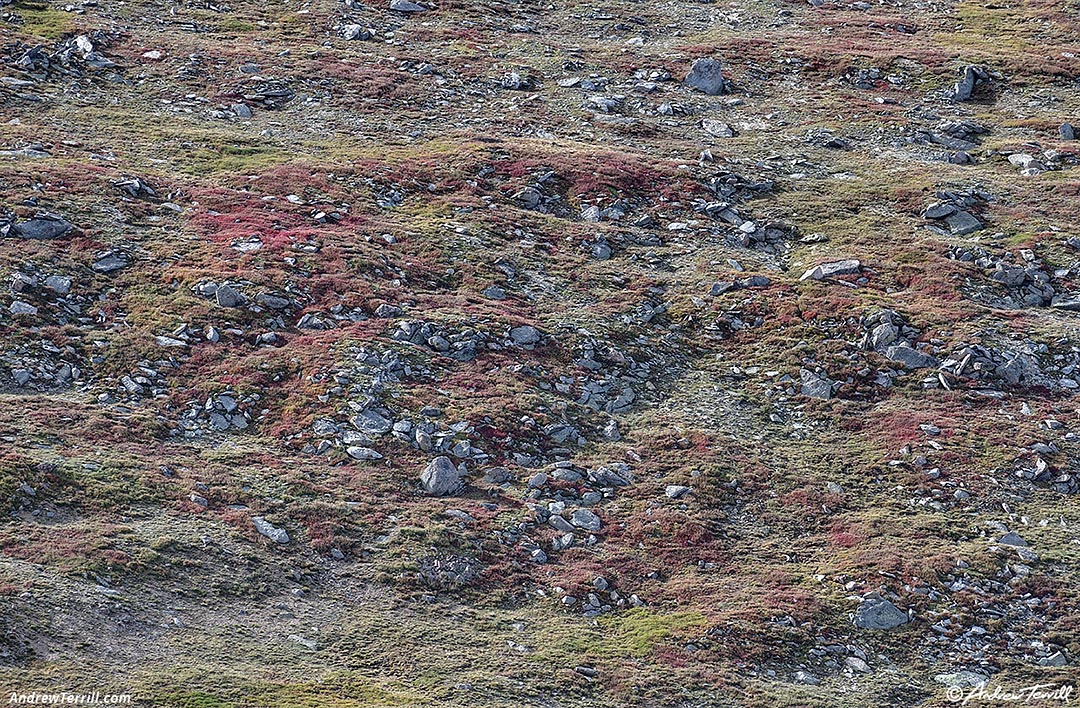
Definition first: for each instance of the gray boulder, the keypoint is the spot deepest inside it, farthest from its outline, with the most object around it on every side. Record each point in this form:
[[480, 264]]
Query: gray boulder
[[227, 296], [965, 87], [815, 386], [42, 227], [911, 358], [525, 335], [831, 270], [275, 534], [585, 519], [876, 612], [441, 478], [706, 75]]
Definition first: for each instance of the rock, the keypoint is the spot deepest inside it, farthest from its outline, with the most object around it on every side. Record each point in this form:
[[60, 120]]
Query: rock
[[706, 75], [538, 480], [1012, 539], [815, 386], [59, 284], [241, 110], [441, 478], [962, 679], [406, 6], [1056, 659], [372, 423], [495, 292], [717, 128], [18, 307], [911, 358], [676, 491], [962, 223], [833, 269], [525, 335], [355, 32], [876, 612], [805, 678], [227, 296], [585, 519], [275, 534], [610, 431], [358, 452], [965, 87], [1066, 132], [273, 302], [111, 262], [41, 227]]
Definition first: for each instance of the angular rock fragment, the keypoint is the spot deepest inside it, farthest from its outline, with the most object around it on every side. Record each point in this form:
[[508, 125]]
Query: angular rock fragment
[[833, 269], [275, 534], [706, 75], [876, 612], [441, 478]]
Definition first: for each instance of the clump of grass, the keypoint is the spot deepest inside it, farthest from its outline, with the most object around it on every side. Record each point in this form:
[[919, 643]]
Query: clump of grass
[[41, 20]]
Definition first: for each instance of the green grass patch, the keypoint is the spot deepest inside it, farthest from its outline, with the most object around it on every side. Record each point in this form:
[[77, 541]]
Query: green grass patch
[[636, 633], [43, 21]]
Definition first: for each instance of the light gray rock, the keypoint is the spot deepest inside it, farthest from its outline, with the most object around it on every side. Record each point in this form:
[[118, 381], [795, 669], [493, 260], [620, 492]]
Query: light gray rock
[[876, 612], [406, 6], [358, 452], [372, 423], [706, 75], [441, 478], [676, 491], [585, 519], [1013, 539], [962, 223], [227, 296], [911, 358], [525, 335], [18, 307], [815, 386], [275, 534], [821, 271]]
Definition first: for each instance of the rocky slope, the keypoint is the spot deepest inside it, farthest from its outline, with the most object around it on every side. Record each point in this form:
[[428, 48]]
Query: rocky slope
[[510, 353]]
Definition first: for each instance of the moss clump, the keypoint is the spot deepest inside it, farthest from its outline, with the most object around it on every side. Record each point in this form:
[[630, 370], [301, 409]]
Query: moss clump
[[233, 158], [637, 632], [43, 21]]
